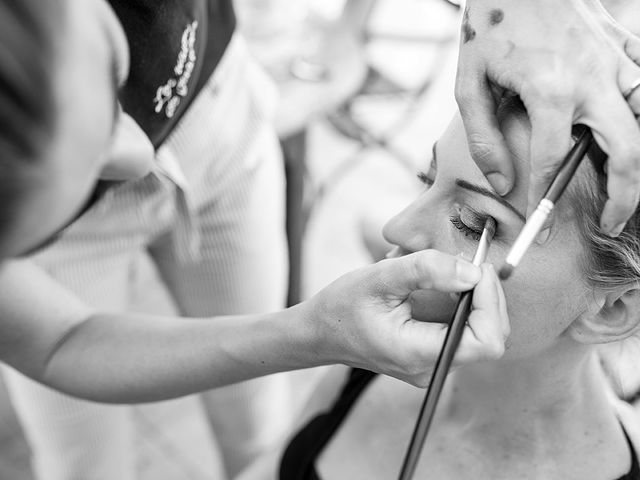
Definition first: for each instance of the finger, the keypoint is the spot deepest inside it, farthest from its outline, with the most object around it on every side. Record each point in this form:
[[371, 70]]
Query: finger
[[632, 48], [629, 83], [618, 135], [422, 343], [550, 142], [621, 204], [426, 270], [485, 320], [486, 141]]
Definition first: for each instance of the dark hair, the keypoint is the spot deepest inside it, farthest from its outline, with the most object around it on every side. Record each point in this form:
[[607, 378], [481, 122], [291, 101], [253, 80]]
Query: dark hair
[[27, 100]]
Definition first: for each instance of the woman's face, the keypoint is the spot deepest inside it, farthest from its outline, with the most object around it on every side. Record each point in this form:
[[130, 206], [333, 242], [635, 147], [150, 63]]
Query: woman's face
[[91, 132], [546, 292]]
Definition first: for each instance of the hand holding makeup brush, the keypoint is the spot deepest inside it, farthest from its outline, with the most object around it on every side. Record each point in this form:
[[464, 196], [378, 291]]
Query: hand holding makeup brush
[[374, 329], [570, 62]]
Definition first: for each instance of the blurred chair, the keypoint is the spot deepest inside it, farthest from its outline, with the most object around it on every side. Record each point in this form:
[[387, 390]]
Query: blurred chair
[[327, 70], [330, 76]]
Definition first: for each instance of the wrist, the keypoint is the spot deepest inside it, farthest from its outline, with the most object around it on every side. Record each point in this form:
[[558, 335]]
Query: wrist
[[310, 333], [298, 338]]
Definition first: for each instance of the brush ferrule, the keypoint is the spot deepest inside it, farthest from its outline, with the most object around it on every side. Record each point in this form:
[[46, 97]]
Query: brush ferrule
[[485, 240], [529, 232]]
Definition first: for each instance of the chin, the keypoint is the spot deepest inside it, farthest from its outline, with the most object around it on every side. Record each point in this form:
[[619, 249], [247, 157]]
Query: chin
[[127, 171], [430, 306]]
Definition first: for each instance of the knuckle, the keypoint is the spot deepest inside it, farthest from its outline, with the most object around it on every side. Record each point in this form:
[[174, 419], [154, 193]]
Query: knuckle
[[427, 260], [549, 86], [463, 95], [626, 162], [480, 149]]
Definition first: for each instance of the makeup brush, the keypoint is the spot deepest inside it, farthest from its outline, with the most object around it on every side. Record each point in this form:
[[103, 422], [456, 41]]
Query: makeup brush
[[535, 222], [443, 364]]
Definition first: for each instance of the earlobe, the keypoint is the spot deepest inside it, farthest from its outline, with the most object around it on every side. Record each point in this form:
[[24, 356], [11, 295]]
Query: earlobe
[[617, 318]]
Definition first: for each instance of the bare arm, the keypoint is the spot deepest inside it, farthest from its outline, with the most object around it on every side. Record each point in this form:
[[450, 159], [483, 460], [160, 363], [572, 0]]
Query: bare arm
[[51, 336], [361, 319]]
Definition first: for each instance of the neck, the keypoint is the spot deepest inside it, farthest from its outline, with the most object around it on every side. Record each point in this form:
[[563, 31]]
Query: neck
[[543, 400]]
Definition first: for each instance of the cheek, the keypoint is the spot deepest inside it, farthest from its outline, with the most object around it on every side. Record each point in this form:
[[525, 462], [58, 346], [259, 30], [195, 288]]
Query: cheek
[[430, 306], [543, 298]]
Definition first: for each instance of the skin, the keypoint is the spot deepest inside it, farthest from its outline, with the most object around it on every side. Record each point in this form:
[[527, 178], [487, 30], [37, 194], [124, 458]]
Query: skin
[[435, 230], [542, 410], [569, 62], [361, 319]]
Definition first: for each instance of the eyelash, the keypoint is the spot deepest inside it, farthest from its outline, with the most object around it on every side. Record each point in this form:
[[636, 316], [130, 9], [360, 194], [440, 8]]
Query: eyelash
[[424, 178], [468, 232]]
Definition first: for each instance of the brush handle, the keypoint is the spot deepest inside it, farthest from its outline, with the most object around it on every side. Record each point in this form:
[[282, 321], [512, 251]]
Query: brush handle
[[444, 361], [569, 166], [443, 364], [538, 218]]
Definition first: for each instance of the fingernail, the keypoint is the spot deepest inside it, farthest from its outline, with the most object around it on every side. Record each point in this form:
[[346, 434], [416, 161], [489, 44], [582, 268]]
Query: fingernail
[[543, 236], [464, 256], [499, 183], [617, 230], [467, 272]]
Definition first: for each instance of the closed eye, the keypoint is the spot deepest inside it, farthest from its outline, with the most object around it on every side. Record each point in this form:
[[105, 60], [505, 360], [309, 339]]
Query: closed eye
[[457, 222], [425, 178]]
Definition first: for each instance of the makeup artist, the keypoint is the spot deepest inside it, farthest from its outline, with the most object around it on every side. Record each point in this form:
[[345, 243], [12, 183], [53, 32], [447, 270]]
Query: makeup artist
[[60, 129], [570, 62]]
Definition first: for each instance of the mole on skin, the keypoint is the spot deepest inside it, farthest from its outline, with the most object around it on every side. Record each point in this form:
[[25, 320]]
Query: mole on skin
[[495, 16], [468, 33]]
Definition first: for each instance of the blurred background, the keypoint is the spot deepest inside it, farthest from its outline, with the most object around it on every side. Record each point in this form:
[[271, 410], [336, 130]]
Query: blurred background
[[366, 87]]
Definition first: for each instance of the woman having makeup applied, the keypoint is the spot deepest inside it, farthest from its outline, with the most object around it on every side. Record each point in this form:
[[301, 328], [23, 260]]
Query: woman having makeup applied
[[544, 410], [60, 130]]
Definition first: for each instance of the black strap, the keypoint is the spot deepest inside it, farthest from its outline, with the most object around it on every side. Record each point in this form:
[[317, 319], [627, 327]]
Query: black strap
[[634, 472], [298, 460]]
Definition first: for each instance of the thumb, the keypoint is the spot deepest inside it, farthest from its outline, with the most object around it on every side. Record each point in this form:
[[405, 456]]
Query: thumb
[[425, 270]]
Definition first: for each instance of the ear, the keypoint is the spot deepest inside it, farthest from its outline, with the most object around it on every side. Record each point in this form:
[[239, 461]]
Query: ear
[[615, 317]]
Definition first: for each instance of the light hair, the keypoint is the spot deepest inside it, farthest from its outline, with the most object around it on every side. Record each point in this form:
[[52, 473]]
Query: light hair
[[609, 263]]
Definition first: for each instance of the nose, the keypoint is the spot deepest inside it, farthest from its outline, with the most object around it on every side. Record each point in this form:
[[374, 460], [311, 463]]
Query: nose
[[407, 230], [130, 154]]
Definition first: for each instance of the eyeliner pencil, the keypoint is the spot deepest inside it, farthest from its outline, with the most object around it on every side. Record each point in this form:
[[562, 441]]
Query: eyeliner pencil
[[535, 222], [443, 364]]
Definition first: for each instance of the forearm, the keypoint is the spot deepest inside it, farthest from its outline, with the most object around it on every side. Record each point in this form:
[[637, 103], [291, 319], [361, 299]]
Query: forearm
[[137, 358], [362, 319]]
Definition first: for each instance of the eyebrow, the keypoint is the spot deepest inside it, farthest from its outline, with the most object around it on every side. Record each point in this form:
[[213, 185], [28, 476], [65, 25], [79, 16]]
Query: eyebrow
[[488, 193], [479, 189]]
